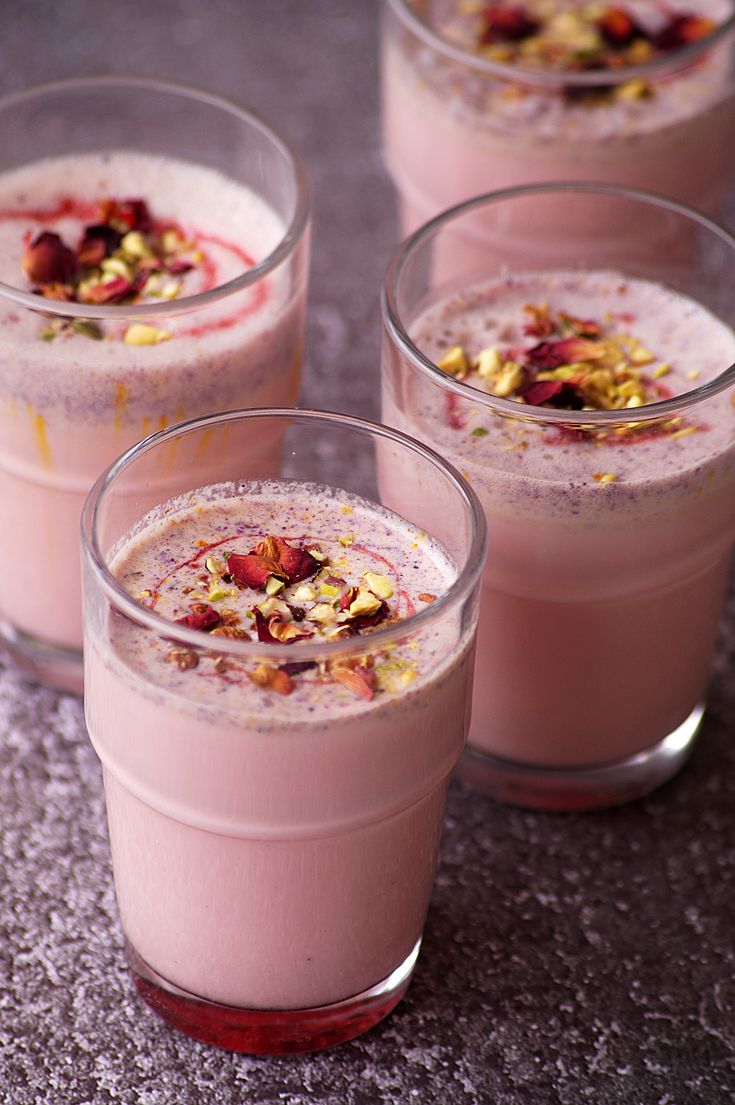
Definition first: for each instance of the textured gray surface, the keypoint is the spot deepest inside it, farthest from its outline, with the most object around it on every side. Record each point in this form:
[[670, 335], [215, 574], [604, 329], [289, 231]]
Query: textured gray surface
[[567, 959]]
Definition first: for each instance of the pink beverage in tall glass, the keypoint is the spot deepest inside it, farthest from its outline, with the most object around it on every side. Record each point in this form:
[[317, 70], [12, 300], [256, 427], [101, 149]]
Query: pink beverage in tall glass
[[609, 543], [124, 230], [479, 97], [274, 825]]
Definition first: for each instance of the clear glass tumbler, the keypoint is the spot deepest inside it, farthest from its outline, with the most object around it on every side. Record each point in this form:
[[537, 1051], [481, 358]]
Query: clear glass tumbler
[[275, 771], [586, 391], [154, 267], [458, 121]]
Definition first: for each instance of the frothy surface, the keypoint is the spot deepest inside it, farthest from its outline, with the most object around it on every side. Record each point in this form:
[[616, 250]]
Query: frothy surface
[[163, 566], [235, 228], [538, 463]]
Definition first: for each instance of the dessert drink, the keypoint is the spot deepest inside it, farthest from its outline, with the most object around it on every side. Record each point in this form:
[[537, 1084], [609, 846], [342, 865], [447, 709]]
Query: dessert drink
[[278, 694], [479, 97], [138, 290], [588, 411]]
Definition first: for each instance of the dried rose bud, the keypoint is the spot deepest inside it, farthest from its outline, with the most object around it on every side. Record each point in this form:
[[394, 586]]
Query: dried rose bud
[[47, 260], [98, 241], [507, 23], [202, 616]]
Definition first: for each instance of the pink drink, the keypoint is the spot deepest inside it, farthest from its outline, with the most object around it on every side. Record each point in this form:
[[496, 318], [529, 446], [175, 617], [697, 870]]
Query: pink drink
[[458, 122], [69, 403], [609, 550], [277, 678]]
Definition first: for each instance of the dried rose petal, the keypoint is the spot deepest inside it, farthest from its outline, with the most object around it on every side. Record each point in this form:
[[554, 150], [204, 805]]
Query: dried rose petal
[[552, 354], [542, 392], [47, 260], [347, 598], [274, 679], [581, 327], [295, 667], [682, 30], [618, 27], [360, 681], [98, 241], [541, 325], [286, 632], [253, 570], [202, 616], [63, 292], [111, 291], [176, 266], [132, 214], [506, 23], [298, 564], [366, 621], [261, 624]]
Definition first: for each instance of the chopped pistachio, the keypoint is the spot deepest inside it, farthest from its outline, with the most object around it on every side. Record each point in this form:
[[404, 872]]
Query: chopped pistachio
[[274, 585], [380, 585], [323, 613], [364, 603], [135, 246], [304, 593], [138, 333], [489, 362], [455, 362]]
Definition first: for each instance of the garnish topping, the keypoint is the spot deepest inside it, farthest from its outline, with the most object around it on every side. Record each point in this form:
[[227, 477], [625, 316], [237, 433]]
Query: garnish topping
[[300, 596], [579, 365], [125, 257], [588, 37]]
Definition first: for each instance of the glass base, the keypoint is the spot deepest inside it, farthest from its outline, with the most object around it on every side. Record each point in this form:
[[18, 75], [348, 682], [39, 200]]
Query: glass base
[[580, 788], [271, 1031], [54, 665]]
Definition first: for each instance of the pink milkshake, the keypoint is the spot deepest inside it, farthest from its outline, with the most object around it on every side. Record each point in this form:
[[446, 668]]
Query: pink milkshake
[[135, 290], [277, 681], [590, 412], [479, 97]]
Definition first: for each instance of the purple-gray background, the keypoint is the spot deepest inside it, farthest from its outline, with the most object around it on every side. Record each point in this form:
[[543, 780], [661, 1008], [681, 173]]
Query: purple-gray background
[[567, 959]]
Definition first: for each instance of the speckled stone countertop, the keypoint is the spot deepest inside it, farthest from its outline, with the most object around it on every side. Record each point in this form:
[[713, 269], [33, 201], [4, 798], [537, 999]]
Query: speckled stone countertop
[[567, 959]]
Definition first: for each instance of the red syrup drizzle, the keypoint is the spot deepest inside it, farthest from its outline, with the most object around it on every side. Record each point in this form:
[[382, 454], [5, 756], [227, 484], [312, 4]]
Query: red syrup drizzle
[[67, 207]]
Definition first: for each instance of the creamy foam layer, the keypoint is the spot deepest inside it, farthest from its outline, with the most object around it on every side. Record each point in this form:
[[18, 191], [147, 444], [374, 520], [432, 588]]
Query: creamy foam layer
[[163, 565], [235, 229], [530, 468]]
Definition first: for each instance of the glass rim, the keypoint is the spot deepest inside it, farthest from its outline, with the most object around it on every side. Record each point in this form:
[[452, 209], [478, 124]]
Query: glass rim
[[554, 78], [468, 576], [512, 408], [292, 235]]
